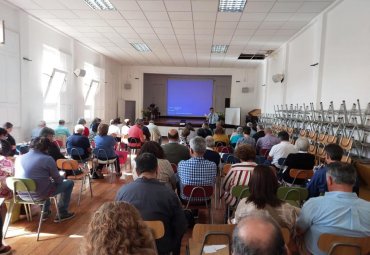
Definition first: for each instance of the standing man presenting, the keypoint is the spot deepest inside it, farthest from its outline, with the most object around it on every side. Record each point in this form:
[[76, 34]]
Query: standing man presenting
[[212, 118]]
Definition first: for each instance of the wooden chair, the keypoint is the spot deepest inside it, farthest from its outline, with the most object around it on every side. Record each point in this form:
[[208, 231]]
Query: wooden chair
[[296, 194], [346, 143], [340, 245], [206, 234], [300, 174], [286, 235], [27, 187], [346, 159], [303, 133], [198, 192], [156, 227], [312, 149], [312, 135], [70, 165], [331, 139], [226, 168]]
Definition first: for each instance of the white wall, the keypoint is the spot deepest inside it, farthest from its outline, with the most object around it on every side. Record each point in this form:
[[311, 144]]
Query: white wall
[[338, 39], [24, 105], [240, 78]]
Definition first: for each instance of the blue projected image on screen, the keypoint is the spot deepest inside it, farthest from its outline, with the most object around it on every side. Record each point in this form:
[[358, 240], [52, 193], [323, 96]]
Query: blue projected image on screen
[[191, 98]]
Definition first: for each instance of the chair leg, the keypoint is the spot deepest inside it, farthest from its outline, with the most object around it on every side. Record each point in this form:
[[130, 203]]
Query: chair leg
[[40, 221], [56, 207], [29, 212], [26, 210], [8, 217], [91, 193], [79, 195]]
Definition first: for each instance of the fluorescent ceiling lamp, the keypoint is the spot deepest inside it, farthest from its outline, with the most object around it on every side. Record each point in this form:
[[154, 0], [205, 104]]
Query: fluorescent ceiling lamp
[[231, 5], [219, 48], [101, 5], [142, 47], [2, 32]]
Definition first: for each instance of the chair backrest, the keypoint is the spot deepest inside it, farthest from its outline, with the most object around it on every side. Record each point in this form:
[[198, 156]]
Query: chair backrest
[[23, 185], [201, 230], [75, 151], [174, 167], [292, 193], [198, 191], [100, 153], [312, 149], [220, 144], [157, 228], [300, 173], [363, 170], [286, 235], [225, 149], [67, 164], [346, 143], [335, 245], [226, 168], [240, 192]]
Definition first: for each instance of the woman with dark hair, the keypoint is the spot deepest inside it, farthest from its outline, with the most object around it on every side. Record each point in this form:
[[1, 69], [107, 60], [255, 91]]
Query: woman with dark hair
[[82, 121], [10, 139], [165, 172], [5, 147], [117, 228], [105, 142], [263, 186]]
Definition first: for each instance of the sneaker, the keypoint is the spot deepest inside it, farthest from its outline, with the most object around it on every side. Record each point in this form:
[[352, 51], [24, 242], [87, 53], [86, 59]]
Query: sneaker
[[6, 249], [65, 217], [45, 216]]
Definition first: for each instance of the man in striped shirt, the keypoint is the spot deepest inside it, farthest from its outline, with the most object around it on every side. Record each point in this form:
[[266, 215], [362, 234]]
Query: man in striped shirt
[[196, 171]]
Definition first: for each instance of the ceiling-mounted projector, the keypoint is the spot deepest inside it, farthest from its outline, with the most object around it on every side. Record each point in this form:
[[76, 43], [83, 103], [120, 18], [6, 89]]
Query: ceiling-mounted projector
[[278, 77]]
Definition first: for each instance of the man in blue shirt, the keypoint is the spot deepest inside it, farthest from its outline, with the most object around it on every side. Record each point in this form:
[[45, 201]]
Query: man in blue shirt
[[317, 184], [212, 118], [339, 212]]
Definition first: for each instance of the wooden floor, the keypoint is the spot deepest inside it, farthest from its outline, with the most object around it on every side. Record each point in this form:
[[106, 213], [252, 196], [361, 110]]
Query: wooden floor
[[66, 237]]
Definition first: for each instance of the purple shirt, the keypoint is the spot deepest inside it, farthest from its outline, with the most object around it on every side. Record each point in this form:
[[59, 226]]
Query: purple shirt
[[266, 142]]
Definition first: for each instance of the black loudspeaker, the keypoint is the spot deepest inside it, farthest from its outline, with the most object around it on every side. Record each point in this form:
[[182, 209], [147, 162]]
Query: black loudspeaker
[[227, 102]]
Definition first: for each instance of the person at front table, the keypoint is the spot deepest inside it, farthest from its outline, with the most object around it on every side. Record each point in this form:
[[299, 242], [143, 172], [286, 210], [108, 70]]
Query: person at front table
[[212, 118], [40, 167]]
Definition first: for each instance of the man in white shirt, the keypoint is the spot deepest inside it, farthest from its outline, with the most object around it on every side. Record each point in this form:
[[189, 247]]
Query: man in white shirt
[[212, 118], [281, 150], [114, 130], [155, 134]]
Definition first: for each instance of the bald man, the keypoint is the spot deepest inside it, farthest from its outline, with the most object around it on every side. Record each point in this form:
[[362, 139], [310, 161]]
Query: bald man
[[174, 151], [258, 233]]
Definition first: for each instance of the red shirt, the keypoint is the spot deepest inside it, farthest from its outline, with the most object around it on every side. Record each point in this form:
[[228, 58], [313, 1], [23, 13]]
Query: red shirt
[[136, 132]]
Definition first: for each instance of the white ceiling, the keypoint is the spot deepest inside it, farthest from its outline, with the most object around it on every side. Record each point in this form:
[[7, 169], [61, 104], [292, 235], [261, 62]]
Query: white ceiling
[[179, 32]]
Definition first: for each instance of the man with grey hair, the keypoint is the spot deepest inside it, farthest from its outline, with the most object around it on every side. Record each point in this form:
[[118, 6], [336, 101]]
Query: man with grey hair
[[258, 233], [210, 153], [338, 212], [53, 150], [266, 142], [36, 131], [80, 142], [174, 151], [197, 170]]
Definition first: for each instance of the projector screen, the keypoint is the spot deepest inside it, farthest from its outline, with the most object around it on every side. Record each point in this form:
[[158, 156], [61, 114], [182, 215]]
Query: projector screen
[[191, 98]]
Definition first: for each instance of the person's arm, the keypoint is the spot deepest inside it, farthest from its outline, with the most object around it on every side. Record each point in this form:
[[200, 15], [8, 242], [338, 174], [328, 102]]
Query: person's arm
[[179, 223], [305, 218], [53, 171]]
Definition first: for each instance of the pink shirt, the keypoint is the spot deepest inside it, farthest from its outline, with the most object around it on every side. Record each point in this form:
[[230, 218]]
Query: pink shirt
[[135, 131]]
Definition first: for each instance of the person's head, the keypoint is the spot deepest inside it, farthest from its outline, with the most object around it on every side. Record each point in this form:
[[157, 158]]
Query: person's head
[[263, 185], [247, 130], [111, 122], [3, 133], [198, 146], [146, 163], [189, 126], [81, 121], [210, 142], [202, 132], [239, 130], [103, 129], [42, 124], [62, 122], [185, 132], [8, 126], [40, 144], [259, 127], [128, 122], [139, 122], [258, 233], [151, 122], [48, 133], [96, 120], [117, 121], [219, 131], [205, 125], [154, 148], [245, 152], [173, 135], [302, 144], [117, 228], [333, 152], [268, 131], [250, 124], [283, 136], [211, 110], [340, 176], [79, 129]]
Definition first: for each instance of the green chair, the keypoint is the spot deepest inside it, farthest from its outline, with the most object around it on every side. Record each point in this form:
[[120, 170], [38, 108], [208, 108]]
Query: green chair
[[293, 195], [239, 192], [27, 187]]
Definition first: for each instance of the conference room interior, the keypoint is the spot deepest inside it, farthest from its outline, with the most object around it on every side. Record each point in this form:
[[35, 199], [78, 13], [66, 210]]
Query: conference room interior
[[300, 65]]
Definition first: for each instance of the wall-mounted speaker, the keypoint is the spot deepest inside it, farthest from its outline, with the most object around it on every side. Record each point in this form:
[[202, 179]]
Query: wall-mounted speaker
[[79, 72], [127, 86], [227, 102]]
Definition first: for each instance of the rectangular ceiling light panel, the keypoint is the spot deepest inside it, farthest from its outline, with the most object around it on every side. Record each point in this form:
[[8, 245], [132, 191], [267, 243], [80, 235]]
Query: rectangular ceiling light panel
[[231, 5], [219, 48], [2, 32], [101, 5], [141, 47]]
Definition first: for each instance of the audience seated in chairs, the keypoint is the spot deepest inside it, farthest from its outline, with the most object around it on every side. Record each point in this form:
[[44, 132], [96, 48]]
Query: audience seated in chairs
[[281, 150], [114, 129], [166, 174], [338, 212], [220, 136], [77, 140], [246, 139], [38, 166], [258, 233], [53, 148], [5, 147], [174, 151], [62, 130], [205, 126], [210, 153], [105, 142], [266, 142], [117, 228], [234, 139], [155, 134], [155, 201], [10, 139], [263, 186], [301, 160]]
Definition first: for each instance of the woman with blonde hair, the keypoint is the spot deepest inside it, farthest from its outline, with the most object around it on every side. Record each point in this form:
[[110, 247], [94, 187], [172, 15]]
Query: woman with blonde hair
[[117, 228]]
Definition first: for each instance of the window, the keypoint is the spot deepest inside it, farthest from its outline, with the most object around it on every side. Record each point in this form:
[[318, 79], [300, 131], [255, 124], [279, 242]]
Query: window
[[89, 90]]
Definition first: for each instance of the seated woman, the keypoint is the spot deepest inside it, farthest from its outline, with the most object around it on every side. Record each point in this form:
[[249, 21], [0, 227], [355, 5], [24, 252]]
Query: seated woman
[[240, 173], [105, 142], [165, 172], [80, 142], [10, 139], [300, 160], [234, 138], [117, 228], [220, 136], [263, 186]]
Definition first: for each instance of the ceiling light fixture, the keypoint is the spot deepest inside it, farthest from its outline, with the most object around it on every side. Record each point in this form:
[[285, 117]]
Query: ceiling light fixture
[[231, 5], [219, 48], [141, 47], [101, 5]]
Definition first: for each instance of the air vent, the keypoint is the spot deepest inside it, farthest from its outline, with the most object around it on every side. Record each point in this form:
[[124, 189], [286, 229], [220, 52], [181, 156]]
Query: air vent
[[252, 56]]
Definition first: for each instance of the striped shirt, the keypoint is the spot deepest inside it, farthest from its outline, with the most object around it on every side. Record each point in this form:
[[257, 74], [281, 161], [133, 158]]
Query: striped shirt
[[239, 174], [196, 171]]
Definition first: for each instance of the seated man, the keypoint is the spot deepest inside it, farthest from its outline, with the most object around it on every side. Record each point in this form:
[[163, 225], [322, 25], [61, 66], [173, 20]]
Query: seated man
[[301, 160], [338, 212], [246, 139], [258, 233], [38, 166], [80, 142], [62, 130], [265, 143], [156, 201], [210, 153], [281, 150], [197, 170], [174, 151]]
